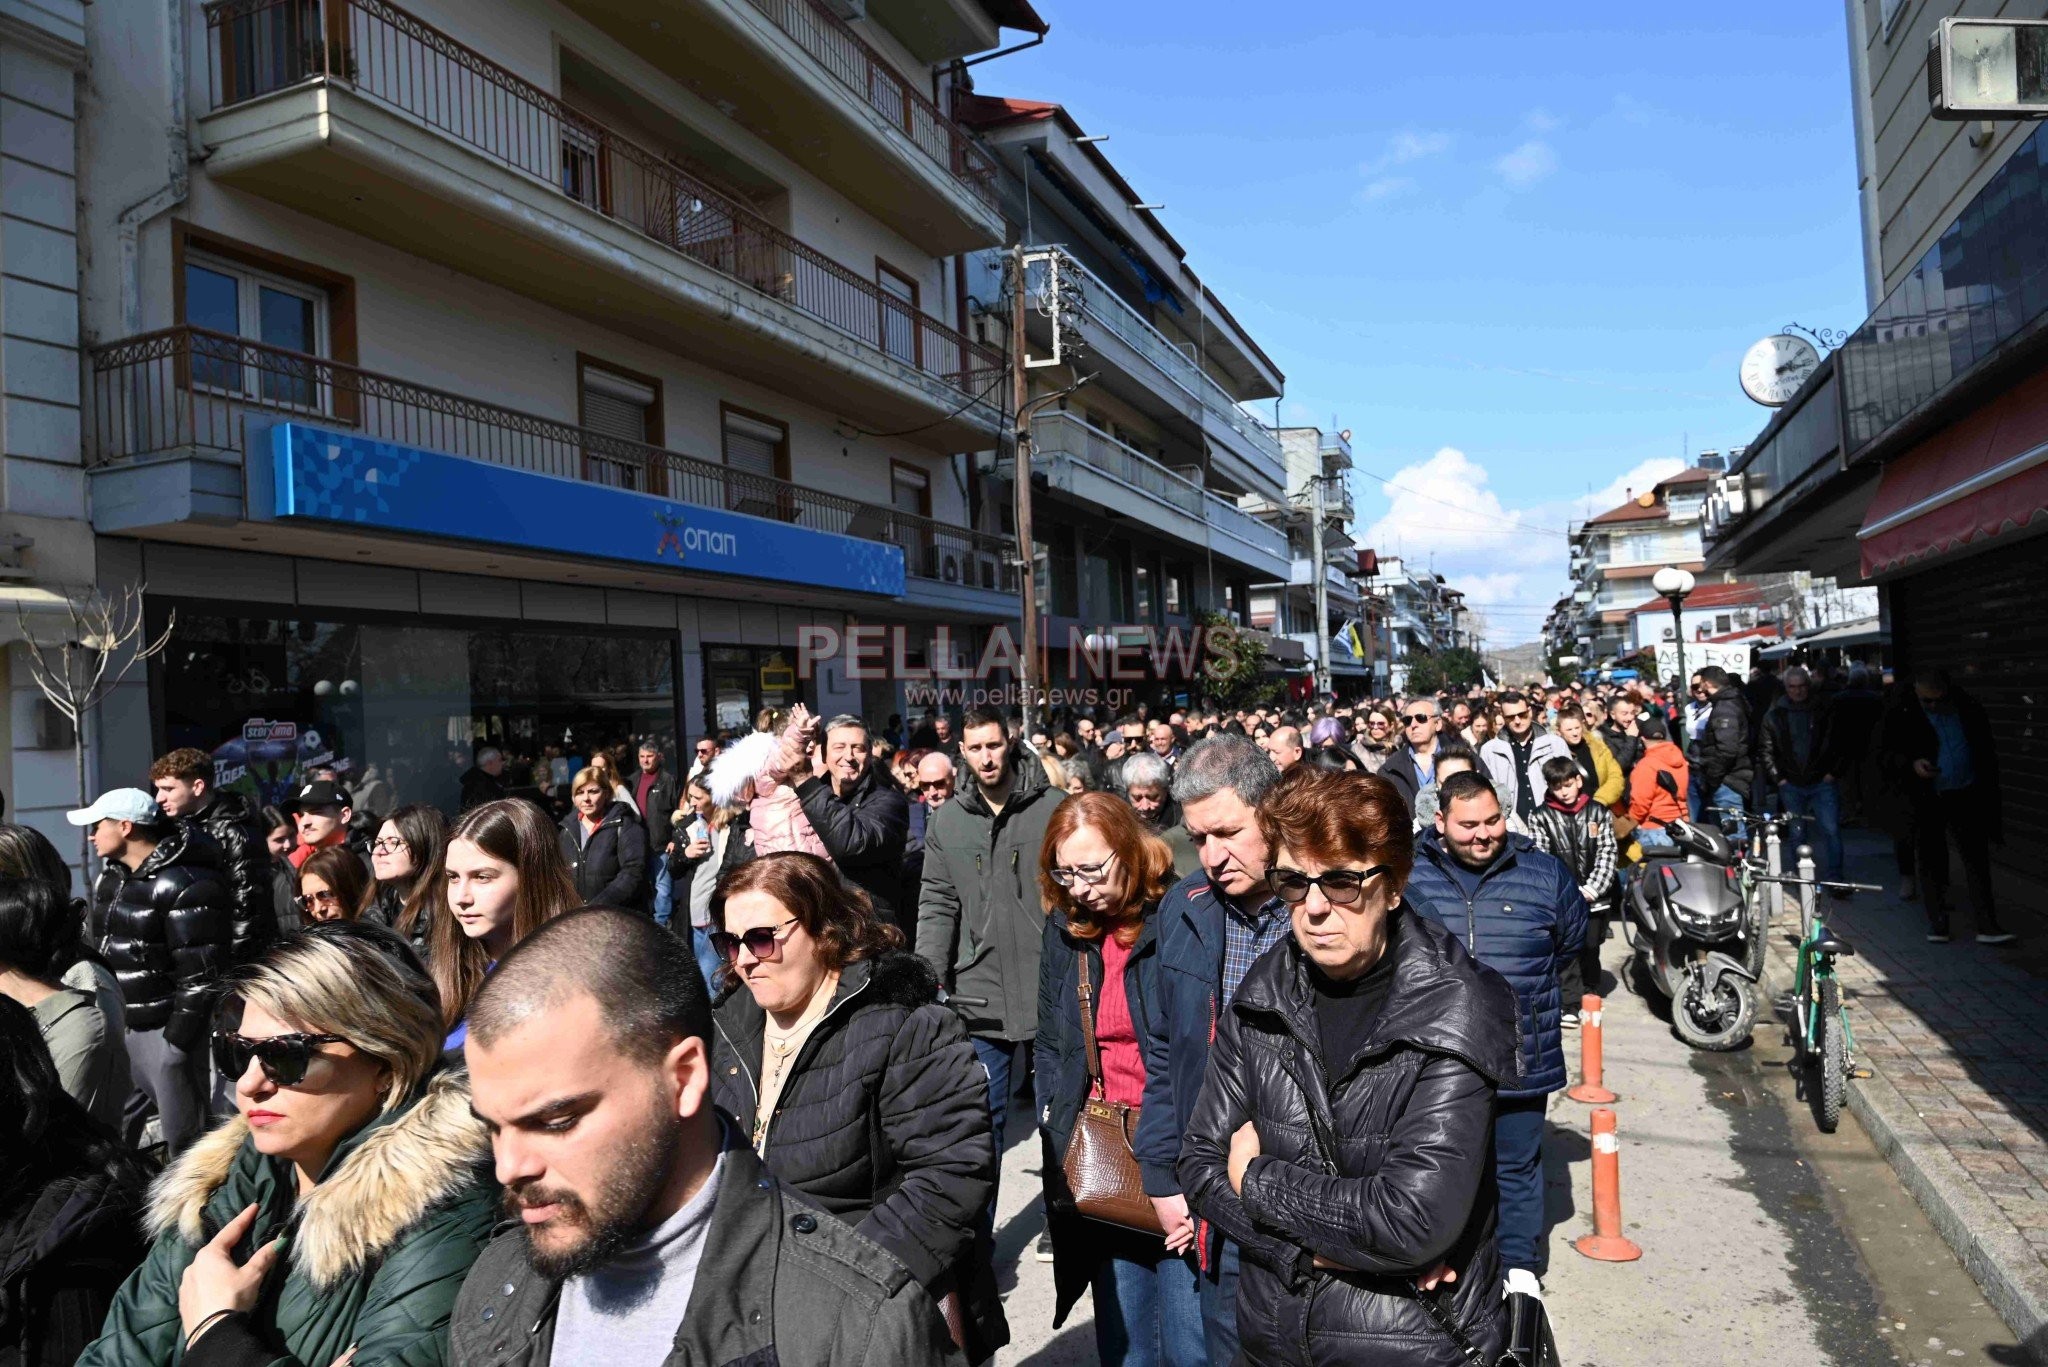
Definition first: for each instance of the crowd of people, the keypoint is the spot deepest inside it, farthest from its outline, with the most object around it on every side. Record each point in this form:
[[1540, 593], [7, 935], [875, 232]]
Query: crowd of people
[[734, 1053]]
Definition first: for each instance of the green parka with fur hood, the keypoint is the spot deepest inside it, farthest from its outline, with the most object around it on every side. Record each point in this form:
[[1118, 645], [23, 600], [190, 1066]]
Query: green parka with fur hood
[[374, 1254]]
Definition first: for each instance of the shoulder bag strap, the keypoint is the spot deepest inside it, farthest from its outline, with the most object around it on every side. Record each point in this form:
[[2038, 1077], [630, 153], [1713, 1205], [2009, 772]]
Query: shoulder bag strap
[[1090, 1052], [1449, 1324]]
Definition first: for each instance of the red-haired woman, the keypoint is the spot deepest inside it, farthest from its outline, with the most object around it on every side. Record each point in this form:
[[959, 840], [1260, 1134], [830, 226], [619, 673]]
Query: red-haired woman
[[854, 1084], [1102, 875], [1343, 1135]]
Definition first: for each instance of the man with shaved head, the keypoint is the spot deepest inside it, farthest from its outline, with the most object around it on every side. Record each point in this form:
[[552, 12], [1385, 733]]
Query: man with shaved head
[[589, 1063], [1285, 747]]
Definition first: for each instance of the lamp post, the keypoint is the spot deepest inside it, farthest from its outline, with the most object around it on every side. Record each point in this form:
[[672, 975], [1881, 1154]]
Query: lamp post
[[1675, 584]]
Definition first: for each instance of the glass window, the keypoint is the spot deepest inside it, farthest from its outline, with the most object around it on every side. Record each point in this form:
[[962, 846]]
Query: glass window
[[288, 319], [1141, 579], [402, 708]]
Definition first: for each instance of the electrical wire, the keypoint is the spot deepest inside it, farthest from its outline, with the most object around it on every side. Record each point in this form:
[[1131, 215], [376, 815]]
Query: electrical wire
[[982, 397]]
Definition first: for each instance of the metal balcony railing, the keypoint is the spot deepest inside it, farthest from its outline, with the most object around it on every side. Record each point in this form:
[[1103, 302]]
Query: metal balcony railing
[[1108, 308], [383, 53], [189, 389], [1066, 434], [850, 61]]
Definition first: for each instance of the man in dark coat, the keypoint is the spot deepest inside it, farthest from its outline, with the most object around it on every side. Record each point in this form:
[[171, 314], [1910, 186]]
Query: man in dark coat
[[656, 795], [1520, 912], [1937, 745], [1720, 753], [163, 921], [1800, 756], [862, 817], [183, 781], [1213, 925], [603, 1016], [484, 781]]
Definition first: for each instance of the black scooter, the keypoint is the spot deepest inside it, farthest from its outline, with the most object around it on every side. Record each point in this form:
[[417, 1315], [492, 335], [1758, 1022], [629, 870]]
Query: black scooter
[[1692, 936]]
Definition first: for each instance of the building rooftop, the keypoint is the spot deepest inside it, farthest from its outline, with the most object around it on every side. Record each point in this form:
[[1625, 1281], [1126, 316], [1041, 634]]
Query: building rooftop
[[1737, 595]]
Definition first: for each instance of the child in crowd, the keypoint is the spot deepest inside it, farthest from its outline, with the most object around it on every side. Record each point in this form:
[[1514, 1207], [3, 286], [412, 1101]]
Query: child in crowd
[[752, 770], [1579, 831]]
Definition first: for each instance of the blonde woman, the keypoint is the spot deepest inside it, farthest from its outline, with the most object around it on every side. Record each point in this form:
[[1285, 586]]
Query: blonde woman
[[339, 1209]]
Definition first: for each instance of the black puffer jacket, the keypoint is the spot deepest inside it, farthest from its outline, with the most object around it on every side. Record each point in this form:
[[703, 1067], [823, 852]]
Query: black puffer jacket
[[167, 932], [883, 1121], [865, 832], [245, 858], [610, 868], [1720, 755], [1382, 1162], [1625, 748], [66, 1246], [387, 909]]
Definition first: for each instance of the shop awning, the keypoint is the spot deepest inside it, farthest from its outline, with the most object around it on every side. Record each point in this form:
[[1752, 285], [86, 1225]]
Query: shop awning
[[1985, 474]]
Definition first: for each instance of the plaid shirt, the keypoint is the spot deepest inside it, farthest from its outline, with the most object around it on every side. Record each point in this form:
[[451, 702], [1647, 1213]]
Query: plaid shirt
[[1247, 936]]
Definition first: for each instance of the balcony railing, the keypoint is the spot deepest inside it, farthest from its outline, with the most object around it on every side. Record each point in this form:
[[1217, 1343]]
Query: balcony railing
[[1108, 308], [387, 55], [862, 70], [1067, 434], [190, 389]]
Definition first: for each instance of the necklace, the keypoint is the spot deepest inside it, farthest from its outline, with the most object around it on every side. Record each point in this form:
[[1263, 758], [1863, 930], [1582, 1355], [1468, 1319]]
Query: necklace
[[779, 1048]]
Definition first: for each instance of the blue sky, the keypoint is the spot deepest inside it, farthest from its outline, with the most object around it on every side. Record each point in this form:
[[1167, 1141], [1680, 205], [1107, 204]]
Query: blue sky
[[1517, 249]]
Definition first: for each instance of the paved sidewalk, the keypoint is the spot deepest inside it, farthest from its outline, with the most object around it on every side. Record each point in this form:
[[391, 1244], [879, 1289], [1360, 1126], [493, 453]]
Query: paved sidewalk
[[1955, 1038]]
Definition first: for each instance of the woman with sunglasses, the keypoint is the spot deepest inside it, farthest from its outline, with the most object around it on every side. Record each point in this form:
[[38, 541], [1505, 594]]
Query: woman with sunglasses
[[855, 1085], [339, 1209], [1377, 733], [332, 885], [406, 857], [1102, 874], [1344, 1133], [504, 877]]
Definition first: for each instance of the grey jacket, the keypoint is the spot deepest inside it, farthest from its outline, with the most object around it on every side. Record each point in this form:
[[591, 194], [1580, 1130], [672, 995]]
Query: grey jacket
[[980, 920], [781, 1284]]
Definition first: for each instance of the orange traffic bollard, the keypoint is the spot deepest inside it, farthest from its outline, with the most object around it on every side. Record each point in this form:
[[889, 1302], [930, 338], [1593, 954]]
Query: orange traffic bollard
[[1606, 1244], [1591, 1057]]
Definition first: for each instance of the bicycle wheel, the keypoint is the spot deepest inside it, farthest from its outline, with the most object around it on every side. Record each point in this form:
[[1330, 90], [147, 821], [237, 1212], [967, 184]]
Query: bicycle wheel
[[1834, 1068]]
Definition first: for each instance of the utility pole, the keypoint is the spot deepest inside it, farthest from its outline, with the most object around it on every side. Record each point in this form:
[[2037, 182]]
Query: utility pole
[[1322, 584], [1027, 550]]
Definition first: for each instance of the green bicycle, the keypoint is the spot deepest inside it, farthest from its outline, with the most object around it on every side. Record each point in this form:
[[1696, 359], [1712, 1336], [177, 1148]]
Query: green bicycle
[[1820, 1025]]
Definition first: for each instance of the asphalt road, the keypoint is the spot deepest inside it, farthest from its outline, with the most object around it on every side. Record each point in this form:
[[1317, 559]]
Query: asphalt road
[[1763, 1240]]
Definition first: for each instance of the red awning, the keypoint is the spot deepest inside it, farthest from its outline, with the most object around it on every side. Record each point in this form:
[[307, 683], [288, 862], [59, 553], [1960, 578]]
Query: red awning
[[1981, 475]]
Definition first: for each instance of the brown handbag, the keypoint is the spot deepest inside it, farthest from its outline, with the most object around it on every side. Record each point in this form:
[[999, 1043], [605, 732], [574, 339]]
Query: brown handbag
[[1100, 1167]]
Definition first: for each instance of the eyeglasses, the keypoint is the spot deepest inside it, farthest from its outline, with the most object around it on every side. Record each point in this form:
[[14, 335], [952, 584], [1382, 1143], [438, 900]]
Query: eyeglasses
[[389, 844], [935, 784], [284, 1058], [1375, 725], [326, 897], [1514, 716], [763, 942], [1341, 887], [1415, 718], [1085, 875]]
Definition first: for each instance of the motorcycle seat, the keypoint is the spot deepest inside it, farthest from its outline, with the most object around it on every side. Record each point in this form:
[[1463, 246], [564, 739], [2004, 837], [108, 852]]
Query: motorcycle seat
[[1833, 945]]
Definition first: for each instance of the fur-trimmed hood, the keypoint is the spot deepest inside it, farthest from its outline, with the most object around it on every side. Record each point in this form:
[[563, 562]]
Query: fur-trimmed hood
[[378, 1185]]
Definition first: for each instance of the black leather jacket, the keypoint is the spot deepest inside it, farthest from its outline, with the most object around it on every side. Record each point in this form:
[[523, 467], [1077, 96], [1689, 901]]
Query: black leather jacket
[[1381, 1162], [245, 860], [167, 932], [1778, 756]]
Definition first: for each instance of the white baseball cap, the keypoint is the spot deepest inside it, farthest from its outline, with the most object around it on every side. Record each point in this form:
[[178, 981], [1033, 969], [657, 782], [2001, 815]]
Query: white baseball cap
[[118, 804]]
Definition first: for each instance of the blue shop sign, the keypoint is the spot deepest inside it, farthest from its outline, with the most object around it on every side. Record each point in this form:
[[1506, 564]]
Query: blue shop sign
[[331, 476]]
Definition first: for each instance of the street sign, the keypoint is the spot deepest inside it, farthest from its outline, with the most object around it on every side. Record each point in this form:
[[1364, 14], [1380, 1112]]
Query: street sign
[[1988, 69]]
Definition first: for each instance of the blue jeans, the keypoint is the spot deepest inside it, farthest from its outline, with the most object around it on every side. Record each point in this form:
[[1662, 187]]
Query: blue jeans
[[1219, 1304], [707, 957], [996, 1056], [1819, 807], [1654, 838], [1724, 796], [664, 890], [1147, 1310], [1518, 1172]]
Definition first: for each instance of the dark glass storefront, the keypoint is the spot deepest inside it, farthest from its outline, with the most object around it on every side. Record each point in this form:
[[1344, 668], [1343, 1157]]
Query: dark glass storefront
[[741, 680], [401, 704]]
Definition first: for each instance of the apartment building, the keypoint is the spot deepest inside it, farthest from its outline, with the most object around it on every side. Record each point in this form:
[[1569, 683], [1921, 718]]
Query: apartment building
[[1422, 615], [1287, 607], [517, 373], [1137, 474], [1915, 459], [1614, 555]]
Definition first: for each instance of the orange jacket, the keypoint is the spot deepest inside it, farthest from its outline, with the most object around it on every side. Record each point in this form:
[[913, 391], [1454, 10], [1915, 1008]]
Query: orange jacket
[[1649, 804]]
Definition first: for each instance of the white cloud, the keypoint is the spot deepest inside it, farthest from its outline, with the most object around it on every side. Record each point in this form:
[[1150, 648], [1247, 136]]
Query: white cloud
[[1406, 147], [1527, 164], [1510, 562], [1541, 120], [1386, 187]]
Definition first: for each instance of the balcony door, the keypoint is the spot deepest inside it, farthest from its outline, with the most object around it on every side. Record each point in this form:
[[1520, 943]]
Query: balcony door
[[621, 412], [287, 319], [910, 492], [901, 336], [756, 452]]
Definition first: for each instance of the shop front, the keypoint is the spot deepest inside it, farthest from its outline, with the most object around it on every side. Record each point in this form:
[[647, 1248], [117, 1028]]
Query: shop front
[[400, 706]]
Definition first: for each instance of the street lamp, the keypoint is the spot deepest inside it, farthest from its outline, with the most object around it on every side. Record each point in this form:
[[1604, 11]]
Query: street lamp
[[1675, 584]]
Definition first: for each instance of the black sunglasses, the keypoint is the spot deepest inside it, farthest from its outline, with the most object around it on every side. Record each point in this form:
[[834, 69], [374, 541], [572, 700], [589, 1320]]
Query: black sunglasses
[[764, 942], [284, 1058], [1341, 886]]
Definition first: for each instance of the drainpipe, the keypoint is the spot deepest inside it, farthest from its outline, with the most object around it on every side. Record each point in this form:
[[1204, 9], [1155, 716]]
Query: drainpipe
[[128, 227]]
